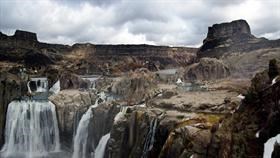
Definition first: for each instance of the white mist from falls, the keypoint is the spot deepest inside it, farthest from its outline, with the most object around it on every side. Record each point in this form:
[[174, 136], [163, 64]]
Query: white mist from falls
[[100, 149], [31, 129], [81, 136]]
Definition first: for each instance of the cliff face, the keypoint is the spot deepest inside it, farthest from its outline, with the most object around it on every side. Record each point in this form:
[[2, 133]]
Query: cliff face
[[89, 58], [232, 37], [234, 28]]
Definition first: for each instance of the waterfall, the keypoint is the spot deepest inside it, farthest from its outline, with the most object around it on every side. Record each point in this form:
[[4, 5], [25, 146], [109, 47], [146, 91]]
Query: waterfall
[[120, 114], [31, 129], [150, 138], [28, 87], [269, 146], [100, 149], [55, 88], [81, 136]]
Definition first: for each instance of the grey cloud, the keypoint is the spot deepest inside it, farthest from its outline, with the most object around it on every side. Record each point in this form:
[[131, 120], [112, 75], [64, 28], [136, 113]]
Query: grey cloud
[[163, 22]]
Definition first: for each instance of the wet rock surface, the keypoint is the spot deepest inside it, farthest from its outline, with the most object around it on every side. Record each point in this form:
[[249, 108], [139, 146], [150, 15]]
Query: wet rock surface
[[11, 88], [70, 106]]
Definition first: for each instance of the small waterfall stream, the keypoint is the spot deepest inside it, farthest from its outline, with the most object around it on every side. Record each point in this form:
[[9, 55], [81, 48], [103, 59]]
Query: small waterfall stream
[[150, 138], [100, 149], [121, 114], [81, 136], [31, 129], [269, 146]]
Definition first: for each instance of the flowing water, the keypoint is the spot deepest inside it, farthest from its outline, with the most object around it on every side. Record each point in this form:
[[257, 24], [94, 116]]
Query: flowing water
[[55, 88], [100, 149], [81, 137], [269, 146], [31, 130], [120, 114], [150, 138]]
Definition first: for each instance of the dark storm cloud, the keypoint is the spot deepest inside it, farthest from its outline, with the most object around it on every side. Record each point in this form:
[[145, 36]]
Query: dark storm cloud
[[163, 22]]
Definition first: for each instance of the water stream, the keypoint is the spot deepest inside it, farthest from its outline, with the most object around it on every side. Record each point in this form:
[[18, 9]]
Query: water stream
[[81, 137], [31, 129], [100, 149], [150, 138], [269, 146]]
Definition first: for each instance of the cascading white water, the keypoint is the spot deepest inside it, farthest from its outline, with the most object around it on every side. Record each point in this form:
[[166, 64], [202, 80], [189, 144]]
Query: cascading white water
[[55, 88], [150, 138], [269, 146], [81, 136], [120, 114], [100, 149], [31, 129]]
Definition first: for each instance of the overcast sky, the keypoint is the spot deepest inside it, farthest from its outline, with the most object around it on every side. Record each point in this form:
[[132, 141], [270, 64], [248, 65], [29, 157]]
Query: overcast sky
[[160, 22]]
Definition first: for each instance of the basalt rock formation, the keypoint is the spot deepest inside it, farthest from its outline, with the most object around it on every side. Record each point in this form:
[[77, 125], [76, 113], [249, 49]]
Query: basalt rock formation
[[207, 69], [232, 37], [89, 58], [70, 106]]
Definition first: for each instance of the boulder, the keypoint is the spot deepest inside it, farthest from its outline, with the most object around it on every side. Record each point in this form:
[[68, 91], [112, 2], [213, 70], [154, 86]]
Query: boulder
[[207, 69], [274, 68]]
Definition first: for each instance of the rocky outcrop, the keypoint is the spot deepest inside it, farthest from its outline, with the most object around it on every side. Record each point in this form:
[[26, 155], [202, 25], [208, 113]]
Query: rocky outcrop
[[234, 28], [70, 106], [207, 69], [244, 133], [72, 81], [37, 59], [128, 135], [135, 87], [25, 35], [11, 88], [226, 38]]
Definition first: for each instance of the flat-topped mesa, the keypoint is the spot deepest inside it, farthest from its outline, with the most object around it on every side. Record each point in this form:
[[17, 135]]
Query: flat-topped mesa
[[233, 28], [231, 37], [25, 35]]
